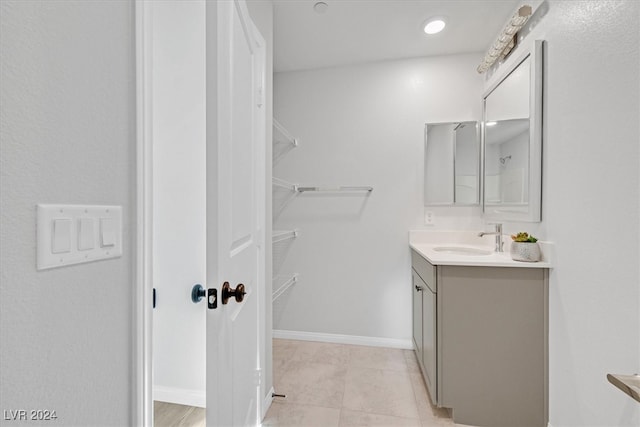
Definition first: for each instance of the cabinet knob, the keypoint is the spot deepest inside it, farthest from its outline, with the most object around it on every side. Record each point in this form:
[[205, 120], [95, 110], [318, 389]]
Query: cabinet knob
[[418, 288]]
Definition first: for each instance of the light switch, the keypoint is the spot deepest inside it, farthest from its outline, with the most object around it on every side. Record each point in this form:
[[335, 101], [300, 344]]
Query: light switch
[[107, 232], [61, 236], [86, 233], [75, 234]]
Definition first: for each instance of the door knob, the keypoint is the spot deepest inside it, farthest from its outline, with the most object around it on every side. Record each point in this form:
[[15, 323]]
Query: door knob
[[197, 293], [228, 292]]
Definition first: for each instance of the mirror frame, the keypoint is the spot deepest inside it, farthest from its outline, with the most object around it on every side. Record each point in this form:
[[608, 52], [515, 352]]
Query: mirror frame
[[534, 207], [479, 201]]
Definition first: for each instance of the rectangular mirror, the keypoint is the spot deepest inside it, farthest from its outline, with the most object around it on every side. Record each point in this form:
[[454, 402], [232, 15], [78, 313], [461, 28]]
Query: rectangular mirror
[[512, 141], [452, 164]]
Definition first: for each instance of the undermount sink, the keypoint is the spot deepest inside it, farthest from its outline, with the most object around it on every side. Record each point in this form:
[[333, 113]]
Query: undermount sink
[[462, 250]]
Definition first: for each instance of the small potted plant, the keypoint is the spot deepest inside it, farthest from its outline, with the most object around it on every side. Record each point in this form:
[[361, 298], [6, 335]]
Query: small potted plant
[[524, 248]]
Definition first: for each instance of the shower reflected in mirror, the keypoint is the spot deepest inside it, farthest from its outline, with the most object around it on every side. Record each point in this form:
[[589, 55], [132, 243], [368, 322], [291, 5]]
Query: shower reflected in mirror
[[452, 164]]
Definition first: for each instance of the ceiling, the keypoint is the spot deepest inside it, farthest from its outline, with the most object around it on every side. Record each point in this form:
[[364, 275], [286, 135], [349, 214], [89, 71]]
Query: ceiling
[[356, 31]]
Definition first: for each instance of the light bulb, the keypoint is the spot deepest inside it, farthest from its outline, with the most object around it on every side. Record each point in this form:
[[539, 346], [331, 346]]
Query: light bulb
[[434, 26]]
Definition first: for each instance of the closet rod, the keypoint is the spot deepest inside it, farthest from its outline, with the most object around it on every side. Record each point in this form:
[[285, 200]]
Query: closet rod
[[303, 189], [286, 285], [279, 236]]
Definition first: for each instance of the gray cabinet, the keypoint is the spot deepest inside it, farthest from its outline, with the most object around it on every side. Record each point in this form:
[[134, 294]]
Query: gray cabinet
[[481, 336], [424, 320]]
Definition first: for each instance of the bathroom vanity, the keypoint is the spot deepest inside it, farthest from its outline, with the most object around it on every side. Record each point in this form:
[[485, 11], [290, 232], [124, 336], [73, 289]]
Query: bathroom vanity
[[480, 333], [480, 319]]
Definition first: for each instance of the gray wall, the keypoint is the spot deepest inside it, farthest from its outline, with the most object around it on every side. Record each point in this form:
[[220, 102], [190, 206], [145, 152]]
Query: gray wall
[[591, 206], [360, 125], [68, 132]]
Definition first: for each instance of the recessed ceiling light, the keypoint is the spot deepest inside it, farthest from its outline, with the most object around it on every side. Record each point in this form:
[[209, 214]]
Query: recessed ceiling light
[[320, 7], [434, 25]]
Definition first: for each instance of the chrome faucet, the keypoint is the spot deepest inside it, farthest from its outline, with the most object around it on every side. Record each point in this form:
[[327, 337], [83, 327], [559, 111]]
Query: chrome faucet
[[498, 234]]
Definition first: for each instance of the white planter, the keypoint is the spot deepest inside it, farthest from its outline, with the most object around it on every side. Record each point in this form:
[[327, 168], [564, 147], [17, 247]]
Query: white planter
[[525, 251]]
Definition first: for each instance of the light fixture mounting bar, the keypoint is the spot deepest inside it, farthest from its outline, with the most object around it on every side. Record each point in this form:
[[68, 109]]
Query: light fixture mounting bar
[[506, 40]]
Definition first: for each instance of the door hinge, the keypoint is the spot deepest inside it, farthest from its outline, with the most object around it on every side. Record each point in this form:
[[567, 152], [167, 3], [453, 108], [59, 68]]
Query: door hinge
[[260, 97], [258, 377]]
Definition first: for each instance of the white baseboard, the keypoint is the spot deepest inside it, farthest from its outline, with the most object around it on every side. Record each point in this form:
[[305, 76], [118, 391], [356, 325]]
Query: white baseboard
[[266, 403], [180, 396], [344, 339]]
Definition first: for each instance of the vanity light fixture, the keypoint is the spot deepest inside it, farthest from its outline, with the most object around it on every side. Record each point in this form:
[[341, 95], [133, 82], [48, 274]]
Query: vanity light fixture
[[434, 25], [506, 41]]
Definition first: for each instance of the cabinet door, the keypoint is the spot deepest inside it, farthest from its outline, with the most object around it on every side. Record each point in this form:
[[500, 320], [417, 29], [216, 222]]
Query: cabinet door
[[429, 341], [417, 313], [494, 345]]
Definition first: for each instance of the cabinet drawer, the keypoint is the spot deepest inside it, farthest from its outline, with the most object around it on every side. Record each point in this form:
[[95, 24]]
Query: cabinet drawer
[[425, 270]]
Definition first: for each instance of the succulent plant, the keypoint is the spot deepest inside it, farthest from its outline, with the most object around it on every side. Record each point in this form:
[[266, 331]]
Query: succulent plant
[[523, 237]]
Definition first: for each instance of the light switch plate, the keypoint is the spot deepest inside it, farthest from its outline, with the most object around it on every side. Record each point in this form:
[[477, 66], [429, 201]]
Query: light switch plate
[[84, 234]]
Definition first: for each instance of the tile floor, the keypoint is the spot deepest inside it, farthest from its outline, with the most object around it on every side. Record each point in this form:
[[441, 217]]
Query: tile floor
[[343, 385], [336, 385]]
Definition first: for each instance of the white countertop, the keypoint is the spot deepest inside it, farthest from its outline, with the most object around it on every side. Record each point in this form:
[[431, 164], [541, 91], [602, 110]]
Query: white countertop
[[424, 242]]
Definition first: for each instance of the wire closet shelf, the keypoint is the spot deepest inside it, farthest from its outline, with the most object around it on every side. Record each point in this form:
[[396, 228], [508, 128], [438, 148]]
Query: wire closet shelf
[[278, 182]]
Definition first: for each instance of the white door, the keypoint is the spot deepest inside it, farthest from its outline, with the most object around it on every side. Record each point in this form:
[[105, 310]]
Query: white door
[[235, 212]]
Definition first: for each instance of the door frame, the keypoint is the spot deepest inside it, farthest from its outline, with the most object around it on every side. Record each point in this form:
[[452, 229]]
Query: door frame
[[142, 307], [142, 276]]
